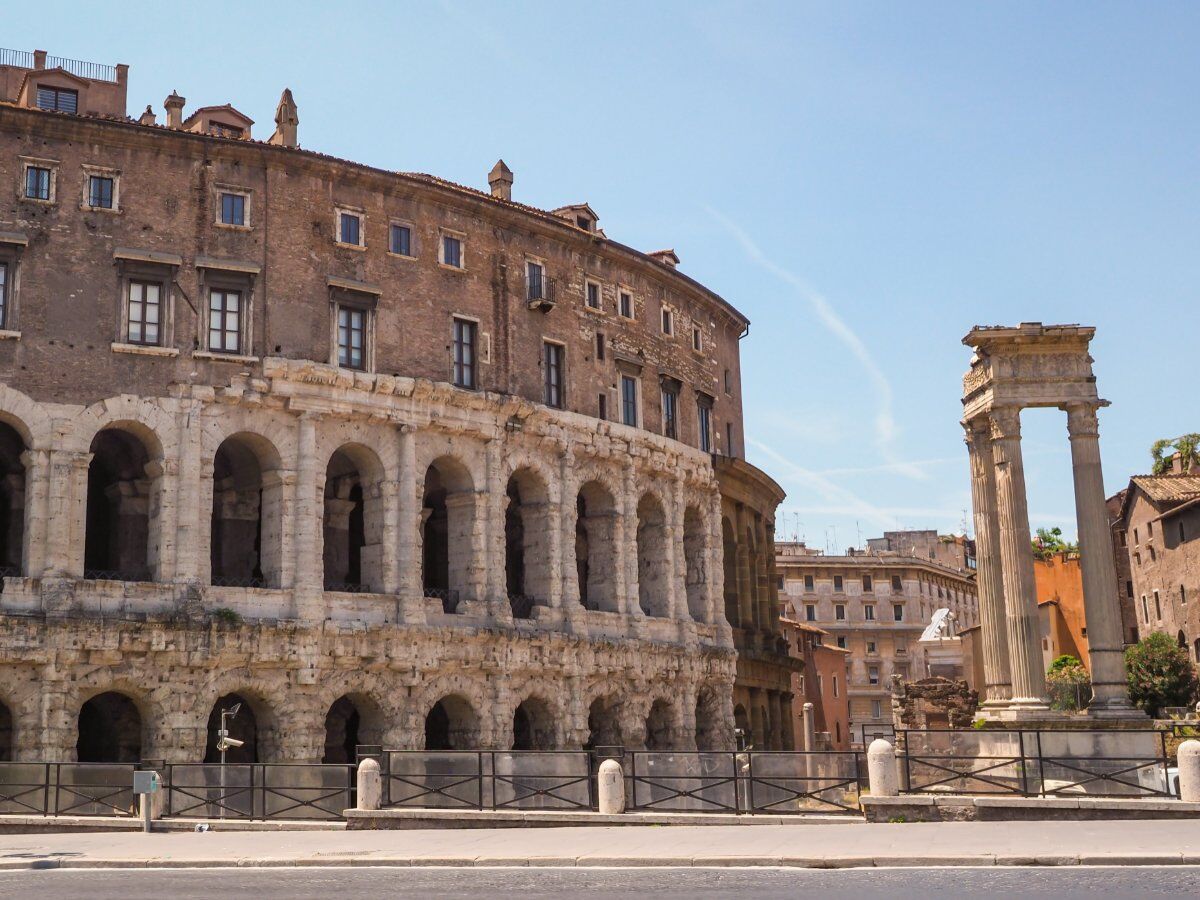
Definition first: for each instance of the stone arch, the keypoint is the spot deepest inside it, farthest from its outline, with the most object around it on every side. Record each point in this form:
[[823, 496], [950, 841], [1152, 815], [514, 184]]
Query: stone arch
[[353, 520], [653, 571], [27, 417], [448, 531], [110, 729], [527, 525], [12, 499], [124, 483], [1181, 639], [729, 573], [710, 724], [604, 722], [534, 725], [246, 532], [596, 546], [452, 723], [353, 719], [695, 564], [660, 726], [254, 725]]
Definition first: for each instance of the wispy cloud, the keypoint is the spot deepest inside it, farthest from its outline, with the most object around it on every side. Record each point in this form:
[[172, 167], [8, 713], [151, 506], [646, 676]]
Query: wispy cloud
[[885, 422]]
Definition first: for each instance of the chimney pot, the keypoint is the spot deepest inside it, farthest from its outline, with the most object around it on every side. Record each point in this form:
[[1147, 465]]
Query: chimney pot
[[39, 59], [174, 105], [287, 117], [148, 117], [501, 180]]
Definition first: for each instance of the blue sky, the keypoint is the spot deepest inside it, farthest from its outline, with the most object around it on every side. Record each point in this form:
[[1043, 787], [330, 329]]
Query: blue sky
[[865, 181]]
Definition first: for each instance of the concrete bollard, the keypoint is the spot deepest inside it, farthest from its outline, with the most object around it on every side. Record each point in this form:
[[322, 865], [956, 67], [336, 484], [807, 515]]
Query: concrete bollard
[[881, 769], [810, 728], [1189, 771], [370, 784], [610, 788]]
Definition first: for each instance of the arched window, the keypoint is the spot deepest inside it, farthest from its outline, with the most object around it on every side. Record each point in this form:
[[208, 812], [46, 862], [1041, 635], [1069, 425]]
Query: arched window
[[696, 572], [595, 547], [119, 500], [526, 543], [353, 556], [653, 572], [448, 521], [247, 514]]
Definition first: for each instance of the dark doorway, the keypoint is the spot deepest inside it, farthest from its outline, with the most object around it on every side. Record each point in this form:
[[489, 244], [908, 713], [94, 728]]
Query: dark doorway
[[110, 730], [342, 725]]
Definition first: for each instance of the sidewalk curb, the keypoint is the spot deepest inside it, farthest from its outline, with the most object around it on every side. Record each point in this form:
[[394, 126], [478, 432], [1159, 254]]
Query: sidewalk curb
[[714, 861]]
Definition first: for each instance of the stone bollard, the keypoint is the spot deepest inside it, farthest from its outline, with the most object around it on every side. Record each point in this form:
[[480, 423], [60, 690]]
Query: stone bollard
[[810, 728], [1189, 771], [610, 788], [881, 769], [370, 784]]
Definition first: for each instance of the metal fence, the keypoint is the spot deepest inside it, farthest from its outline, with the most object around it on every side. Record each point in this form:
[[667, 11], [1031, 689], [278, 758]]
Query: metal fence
[[1029, 763], [787, 783], [488, 779], [258, 790], [62, 789]]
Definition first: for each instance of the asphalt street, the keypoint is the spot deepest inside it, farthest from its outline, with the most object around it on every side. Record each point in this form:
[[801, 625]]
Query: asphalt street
[[685, 884]]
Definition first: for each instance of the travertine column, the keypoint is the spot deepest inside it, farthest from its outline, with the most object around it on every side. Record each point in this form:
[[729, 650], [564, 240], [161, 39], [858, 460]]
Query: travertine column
[[625, 534], [1016, 555], [37, 520], [193, 533], [492, 506], [1101, 607], [993, 630], [673, 539], [308, 515], [66, 525], [408, 532]]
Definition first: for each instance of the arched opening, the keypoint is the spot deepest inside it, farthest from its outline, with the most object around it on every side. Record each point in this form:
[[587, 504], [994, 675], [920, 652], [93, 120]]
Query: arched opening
[[533, 725], [12, 500], [7, 734], [653, 574], [595, 546], [120, 488], [353, 556], [351, 721], [526, 543], [109, 730], [242, 727], [696, 578], [604, 724], [659, 726], [1196, 649], [1181, 638], [452, 724], [448, 522], [708, 722], [741, 722], [247, 514], [729, 571]]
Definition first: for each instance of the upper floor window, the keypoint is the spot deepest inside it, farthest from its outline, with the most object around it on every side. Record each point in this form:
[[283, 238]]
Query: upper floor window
[[810, 612], [728, 381], [100, 191], [625, 304], [225, 321], [897, 612], [670, 410], [592, 293], [897, 584], [600, 346], [233, 208], [535, 281], [839, 611], [400, 240], [873, 674], [465, 341], [837, 583], [629, 400], [704, 422], [697, 339], [810, 584], [144, 313], [37, 183], [350, 229], [868, 584], [452, 251], [668, 321], [352, 337], [602, 406], [553, 358], [58, 99], [869, 612], [3, 295]]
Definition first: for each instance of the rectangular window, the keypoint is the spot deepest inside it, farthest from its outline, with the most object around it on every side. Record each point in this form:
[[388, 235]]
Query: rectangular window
[[897, 612], [58, 99], [835, 685], [670, 409], [600, 346], [868, 584], [535, 281], [352, 338], [668, 321], [870, 646], [37, 183], [401, 240], [1129, 589], [1182, 595], [697, 339], [837, 583], [839, 611], [554, 374], [1157, 607], [869, 612], [810, 612], [897, 584], [901, 647], [1145, 611], [1182, 537], [464, 353], [452, 251], [728, 381], [3, 295], [629, 400], [841, 642], [350, 229], [810, 584], [873, 674], [100, 192], [875, 709], [602, 405], [592, 294], [729, 438], [233, 209], [625, 304], [225, 321], [145, 309], [704, 421]]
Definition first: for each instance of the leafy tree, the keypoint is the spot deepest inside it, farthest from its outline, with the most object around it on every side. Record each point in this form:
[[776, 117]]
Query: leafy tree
[[1159, 673], [1049, 541], [1066, 661], [1068, 683], [1186, 445]]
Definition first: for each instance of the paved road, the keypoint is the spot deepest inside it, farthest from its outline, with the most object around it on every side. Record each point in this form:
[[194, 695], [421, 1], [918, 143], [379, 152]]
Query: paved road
[[684, 884]]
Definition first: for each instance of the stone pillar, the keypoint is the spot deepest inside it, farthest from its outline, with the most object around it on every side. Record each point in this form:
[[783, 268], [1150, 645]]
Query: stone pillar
[[493, 504], [66, 513], [307, 519], [810, 728], [625, 534], [37, 521], [993, 630], [1016, 554], [673, 564], [370, 785], [1102, 609], [881, 769], [409, 587], [193, 534], [567, 515]]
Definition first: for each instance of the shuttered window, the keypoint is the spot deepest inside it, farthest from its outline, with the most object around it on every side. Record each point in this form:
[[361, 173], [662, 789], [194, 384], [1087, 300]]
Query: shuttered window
[[59, 99]]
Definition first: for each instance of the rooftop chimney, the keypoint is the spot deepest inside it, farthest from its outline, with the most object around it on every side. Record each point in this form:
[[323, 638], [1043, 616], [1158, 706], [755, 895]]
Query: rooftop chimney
[[287, 117], [174, 105], [666, 257], [148, 117], [501, 180]]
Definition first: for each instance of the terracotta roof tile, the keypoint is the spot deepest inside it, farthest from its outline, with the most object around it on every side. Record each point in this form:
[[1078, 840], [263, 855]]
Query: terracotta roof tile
[[1169, 489]]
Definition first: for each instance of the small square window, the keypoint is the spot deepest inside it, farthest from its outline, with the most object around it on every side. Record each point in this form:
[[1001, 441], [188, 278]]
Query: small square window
[[401, 240], [625, 304], [233, 209], [841, 642], [350, 229], [592, 294], [100, 192], [452, 254], [37, 183]]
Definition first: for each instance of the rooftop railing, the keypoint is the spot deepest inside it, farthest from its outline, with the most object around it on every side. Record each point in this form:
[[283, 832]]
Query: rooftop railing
[[26, 59]]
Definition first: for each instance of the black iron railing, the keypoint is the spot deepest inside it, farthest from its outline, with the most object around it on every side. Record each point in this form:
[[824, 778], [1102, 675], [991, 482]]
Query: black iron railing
[[522, 605], [239, 581], [448, 597], [62, 788], [488, 779], [259, 790]]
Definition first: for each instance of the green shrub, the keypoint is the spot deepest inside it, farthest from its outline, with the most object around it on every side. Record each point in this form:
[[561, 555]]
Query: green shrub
[[1160, 673], [1068, 684], [227, 616]]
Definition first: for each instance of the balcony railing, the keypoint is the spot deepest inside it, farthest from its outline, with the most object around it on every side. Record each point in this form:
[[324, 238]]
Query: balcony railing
[[539, 290], [25, 59], [22, 59]]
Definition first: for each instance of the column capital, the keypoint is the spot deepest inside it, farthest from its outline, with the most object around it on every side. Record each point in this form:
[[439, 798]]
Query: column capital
[[1005, 422], [1082, 419]]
